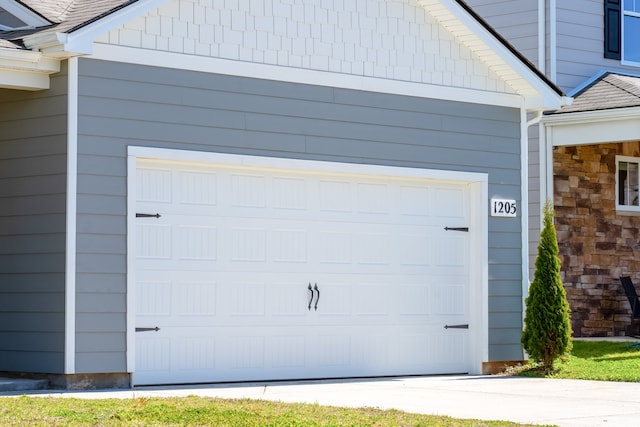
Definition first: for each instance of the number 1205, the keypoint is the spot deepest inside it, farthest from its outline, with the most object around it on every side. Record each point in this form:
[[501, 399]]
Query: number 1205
[[503, 207]]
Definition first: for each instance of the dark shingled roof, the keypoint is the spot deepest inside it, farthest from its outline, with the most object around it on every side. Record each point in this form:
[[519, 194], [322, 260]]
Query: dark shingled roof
[[607, 91], [66, 16]]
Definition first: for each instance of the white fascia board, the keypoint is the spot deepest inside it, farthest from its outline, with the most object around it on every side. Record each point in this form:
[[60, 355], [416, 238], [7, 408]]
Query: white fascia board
[[26, 70], [19, 59], [80, 42], [23, 80], [299, 75], [537, 93], [24, 14], [593, 127]]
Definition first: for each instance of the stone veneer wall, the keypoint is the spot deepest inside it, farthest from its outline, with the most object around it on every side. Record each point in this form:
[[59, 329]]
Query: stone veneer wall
[[597, 244]]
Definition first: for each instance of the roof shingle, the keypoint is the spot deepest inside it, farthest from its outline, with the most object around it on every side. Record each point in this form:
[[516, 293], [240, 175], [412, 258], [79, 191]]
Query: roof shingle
[[608, 91], [66, 15]]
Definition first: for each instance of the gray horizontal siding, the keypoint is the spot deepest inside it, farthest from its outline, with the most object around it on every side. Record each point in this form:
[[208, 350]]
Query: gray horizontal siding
[[580, 43], [515, 20], [123, 105], [32, 228]]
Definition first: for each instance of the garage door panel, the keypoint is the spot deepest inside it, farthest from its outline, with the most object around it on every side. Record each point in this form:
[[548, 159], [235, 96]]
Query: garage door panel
[[372, 199], [449, 300], [290, 195], [289, 351], [195, 243], [195, 299], [335, 300], [194, 353], [248, 244], [288, 300], [452, 251], [370, 352], [248, 191], [153, 298], [197, 188], [154, 185], [451, 203], [154, 241], [289, 245], [415, 201], [153, 354], [224, 273], [372, 299]]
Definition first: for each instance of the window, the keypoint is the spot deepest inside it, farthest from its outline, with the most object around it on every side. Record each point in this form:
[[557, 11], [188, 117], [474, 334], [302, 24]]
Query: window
[[631, 31], [622, 30], [627, 183]]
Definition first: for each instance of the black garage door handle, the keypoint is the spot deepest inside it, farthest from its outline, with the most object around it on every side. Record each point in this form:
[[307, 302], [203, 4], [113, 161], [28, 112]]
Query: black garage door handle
[[318, 297]]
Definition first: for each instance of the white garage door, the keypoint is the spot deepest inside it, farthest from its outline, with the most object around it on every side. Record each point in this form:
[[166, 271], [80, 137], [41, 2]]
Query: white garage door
[[257, 273]]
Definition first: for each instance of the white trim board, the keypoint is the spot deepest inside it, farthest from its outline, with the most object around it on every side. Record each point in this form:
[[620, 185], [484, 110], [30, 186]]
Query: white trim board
[[299, 75], [593, 127], [302, 165], [478, 183], [71, 223]]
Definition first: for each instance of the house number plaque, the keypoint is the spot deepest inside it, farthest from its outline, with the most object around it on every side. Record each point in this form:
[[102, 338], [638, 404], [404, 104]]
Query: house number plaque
[[504, 207]]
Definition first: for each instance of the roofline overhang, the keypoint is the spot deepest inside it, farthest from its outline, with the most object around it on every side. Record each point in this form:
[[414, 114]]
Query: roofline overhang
[[79, 40], [26, 70], [538, 91], [611, 114], [593, 127]]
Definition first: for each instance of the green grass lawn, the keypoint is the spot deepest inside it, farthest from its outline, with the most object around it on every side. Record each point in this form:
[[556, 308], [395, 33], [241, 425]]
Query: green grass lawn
[[597, 360], [612, 361], [197, 411]]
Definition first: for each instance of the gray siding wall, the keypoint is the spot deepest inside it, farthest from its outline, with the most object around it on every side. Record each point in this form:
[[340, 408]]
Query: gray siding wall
[[580, 43], [32, 228], [515, 20], [122, 105]]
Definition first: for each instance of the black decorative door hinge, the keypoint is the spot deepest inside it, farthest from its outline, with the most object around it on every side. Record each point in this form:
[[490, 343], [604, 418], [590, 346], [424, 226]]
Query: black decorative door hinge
[[156, 329], [466, 229], [456, 326], [146, 215]]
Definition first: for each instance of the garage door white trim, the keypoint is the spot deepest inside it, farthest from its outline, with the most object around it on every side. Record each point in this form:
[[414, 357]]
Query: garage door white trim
[[477, 182]]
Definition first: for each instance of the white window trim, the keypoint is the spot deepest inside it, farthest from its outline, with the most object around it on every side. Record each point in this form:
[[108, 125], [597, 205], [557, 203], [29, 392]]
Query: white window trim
[[619, 207], [625, 13]]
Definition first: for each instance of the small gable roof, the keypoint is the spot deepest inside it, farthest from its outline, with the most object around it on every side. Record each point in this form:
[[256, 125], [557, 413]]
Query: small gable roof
[[606, 91]]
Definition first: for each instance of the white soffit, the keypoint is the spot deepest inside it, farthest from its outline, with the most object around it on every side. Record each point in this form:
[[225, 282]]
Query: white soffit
[[593, 127], [537, 93]]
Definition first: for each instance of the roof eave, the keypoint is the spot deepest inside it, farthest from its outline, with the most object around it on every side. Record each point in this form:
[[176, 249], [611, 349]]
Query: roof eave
[[26, 70], [611, 114], [79, 40], [539, 92]]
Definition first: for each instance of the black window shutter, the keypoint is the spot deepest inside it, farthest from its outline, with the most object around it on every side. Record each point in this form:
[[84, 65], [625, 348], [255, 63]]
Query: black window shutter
[[612, 31]]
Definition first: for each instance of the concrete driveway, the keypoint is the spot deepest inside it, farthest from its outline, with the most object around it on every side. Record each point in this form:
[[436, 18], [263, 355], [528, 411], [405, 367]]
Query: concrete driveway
[[519, 399]]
